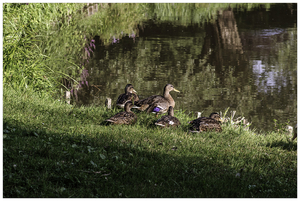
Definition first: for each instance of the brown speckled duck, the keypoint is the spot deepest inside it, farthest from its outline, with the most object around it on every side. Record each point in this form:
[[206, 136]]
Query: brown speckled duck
[[157, 104], [168, 120], [206, 123], [129, 95], [125, 117]]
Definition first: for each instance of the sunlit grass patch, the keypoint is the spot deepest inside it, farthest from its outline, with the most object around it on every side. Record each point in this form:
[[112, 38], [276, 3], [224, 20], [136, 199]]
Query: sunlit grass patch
[[52, 149]]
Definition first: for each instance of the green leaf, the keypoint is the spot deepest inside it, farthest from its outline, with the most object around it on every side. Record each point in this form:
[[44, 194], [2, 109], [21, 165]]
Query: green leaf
[[102, 156]]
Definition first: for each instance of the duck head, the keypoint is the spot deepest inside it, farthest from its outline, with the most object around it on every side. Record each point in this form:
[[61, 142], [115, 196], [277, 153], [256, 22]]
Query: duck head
[[216, 116], [129, 88], [170, 87]]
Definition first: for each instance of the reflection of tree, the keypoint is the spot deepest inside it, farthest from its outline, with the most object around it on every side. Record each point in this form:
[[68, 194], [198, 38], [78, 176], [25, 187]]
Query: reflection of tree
[[223, 43], [228, 31], [211, 70]]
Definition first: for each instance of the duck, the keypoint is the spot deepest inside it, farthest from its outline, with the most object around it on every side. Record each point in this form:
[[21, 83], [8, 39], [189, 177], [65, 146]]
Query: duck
[[157, 104], [129, 95], [206, 123], [125, 117], [168, 120]]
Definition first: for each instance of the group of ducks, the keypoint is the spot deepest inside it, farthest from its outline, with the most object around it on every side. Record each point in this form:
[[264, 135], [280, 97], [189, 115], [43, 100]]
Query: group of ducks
[[159, 104]]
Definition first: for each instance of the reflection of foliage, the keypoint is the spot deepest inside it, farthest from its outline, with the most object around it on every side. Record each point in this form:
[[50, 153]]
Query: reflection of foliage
[[156, 60], [115, 21], [187, 13]]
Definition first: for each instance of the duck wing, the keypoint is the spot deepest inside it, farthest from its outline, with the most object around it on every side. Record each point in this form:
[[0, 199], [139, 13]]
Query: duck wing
[[167, 120], [160, 106], [204, 124], [150, 100], [145, 103], [123, 118], [209, 126]]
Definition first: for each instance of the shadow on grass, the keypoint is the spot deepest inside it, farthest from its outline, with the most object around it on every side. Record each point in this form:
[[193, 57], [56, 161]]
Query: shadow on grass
[[52, 164], [50, 161], [290, 146]]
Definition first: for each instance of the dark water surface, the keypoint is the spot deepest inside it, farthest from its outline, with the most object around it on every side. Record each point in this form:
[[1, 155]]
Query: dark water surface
[[245, 60]]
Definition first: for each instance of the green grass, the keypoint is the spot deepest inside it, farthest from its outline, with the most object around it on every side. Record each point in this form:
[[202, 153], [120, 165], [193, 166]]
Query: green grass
[[26, 63], [52, 149]]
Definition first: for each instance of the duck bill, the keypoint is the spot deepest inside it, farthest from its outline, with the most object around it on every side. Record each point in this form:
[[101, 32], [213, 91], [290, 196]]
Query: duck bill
[[134, 91], [176, 90], [221, 120]]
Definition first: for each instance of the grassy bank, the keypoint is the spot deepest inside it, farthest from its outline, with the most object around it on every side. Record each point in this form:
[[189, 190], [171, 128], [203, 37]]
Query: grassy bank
[[52, 149], [26, 27]]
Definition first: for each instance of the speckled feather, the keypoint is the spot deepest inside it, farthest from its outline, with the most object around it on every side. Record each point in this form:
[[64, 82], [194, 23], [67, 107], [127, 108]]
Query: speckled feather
[[125, 117], [168, 120], [206, 123]]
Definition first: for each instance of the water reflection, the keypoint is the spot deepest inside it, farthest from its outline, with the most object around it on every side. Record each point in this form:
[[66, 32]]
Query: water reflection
[[268, 80], [245, 60]]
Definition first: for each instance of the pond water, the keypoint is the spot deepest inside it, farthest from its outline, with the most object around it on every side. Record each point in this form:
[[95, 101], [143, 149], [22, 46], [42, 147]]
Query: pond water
[[242, 59]]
